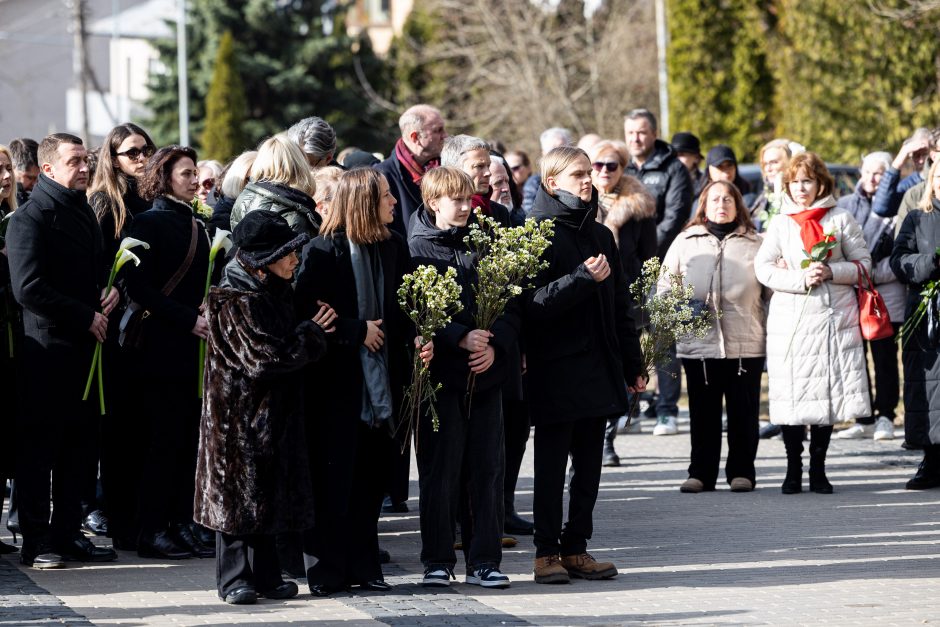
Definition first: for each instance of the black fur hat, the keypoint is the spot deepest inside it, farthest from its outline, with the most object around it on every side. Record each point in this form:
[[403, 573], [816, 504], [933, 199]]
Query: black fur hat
[[263, 237]]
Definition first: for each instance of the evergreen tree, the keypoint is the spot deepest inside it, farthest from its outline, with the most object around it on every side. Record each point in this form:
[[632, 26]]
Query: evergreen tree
[[224, 137], [720, 87], [849, 82], [290, 70]]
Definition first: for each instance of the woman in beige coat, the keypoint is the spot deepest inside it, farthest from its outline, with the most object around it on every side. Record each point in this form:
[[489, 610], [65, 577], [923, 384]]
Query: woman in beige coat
[[715, 255], [815, 359]]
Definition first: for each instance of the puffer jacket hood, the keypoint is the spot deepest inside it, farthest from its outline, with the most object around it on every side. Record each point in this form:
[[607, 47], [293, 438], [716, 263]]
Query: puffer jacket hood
[[293, 205]]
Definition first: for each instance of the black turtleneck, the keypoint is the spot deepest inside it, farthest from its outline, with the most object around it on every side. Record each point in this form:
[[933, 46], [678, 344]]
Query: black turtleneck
[[720, 230]]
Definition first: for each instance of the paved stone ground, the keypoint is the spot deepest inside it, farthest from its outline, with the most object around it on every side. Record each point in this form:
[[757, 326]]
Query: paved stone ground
[[867, 555]]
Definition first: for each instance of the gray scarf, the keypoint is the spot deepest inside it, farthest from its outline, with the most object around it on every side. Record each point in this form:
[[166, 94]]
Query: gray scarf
[[376, 392]]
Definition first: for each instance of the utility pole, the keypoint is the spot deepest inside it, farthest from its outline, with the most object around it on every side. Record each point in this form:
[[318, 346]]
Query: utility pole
[[662, 41], [182, 73], [80, 63]]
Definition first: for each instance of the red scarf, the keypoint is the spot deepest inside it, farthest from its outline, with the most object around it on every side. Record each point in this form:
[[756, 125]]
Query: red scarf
[[415, 169], [811, 231], [481, 201]]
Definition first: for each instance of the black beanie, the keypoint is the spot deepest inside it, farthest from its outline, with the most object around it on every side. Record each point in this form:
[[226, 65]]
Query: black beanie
[[263, 237]]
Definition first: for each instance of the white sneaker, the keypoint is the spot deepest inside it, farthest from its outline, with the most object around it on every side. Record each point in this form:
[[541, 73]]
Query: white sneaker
[[488, 578], [855, 432], [437, 577], [884, 429], [666, 425]]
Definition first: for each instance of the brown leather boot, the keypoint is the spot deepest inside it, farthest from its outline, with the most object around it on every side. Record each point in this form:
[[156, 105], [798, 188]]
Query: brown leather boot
[[548, 569], [586, 567]]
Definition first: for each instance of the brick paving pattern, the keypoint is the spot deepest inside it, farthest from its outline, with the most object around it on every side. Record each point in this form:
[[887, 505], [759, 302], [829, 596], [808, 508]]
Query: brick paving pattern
[[866, 555]]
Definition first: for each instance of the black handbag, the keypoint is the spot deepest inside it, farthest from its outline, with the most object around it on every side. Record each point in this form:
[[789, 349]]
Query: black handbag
[[132, 322]]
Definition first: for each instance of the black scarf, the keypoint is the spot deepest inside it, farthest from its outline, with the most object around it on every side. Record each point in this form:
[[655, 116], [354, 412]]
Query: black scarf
[[720, 230]]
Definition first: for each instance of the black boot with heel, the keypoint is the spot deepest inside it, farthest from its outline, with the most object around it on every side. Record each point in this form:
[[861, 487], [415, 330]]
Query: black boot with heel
[[793, 442], [818, 446]]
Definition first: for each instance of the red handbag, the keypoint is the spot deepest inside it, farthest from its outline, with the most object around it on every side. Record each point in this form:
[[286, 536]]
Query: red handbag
[[872, 313]]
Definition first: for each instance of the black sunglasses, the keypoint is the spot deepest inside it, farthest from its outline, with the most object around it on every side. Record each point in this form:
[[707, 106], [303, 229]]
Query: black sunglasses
[[134, 153], [611, 166]]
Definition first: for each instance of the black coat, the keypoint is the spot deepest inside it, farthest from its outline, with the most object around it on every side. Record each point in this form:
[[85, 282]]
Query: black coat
[[101, 203], [326, 274], [581, 342], [668, 180], [252, 475], [57, 270], [443, 249], [405, 191], [914, 262], [222, 214], [168, 346]]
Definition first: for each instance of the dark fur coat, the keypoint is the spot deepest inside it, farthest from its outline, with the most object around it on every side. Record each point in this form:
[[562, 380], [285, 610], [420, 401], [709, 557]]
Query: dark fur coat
[[253, 475]]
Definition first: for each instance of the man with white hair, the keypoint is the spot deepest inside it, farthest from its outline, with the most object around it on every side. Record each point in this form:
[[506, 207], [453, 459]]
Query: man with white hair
[[416, 152], [549, 139], [879, 235], [316, 139], [472, 155]]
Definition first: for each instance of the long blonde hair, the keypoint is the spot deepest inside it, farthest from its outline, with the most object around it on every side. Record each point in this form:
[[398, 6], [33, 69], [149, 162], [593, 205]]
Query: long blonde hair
[[926, 201], [11, 201], [108, 179], [279, 160]]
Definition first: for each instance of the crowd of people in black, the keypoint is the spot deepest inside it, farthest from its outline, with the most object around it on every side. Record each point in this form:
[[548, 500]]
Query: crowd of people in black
[[281, 457]]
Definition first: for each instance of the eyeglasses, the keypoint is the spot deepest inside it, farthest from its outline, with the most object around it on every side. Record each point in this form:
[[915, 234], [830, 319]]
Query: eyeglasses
[[207, 183], [610, 166], [134, 153]]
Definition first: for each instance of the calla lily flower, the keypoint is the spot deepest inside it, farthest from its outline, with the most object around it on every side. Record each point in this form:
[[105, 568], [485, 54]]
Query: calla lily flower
[[131, 242], [126, 255], [222, 239]]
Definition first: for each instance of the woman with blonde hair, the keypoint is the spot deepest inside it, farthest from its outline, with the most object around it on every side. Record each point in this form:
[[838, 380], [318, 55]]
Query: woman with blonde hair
[[7, 182], [356, 265], [629, 211], [326, 179], [815, 357], [914, 260], [281, 181], [235, 177], [583, 358]]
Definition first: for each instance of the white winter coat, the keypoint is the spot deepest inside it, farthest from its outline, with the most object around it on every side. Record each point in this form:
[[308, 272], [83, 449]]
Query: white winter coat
[[824, 378]]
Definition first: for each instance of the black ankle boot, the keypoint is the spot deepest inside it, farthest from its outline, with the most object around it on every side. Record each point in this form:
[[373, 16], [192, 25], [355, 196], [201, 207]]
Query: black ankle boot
[[793, 442], [818, 447], [928, 473], [611, 459]]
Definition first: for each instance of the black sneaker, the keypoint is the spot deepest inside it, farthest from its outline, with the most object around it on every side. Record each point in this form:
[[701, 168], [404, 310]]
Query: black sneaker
[[96, 523], [81, 549], [438, 576]]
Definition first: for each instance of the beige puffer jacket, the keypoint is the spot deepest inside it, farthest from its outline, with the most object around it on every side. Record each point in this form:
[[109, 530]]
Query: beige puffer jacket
[[722, 275], [823, 380]]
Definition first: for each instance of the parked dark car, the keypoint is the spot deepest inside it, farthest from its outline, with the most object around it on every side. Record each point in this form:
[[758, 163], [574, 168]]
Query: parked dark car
[[846, 177]]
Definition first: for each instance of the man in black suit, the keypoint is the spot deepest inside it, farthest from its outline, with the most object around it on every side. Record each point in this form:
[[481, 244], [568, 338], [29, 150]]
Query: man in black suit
[[418, 150], [57, 270]]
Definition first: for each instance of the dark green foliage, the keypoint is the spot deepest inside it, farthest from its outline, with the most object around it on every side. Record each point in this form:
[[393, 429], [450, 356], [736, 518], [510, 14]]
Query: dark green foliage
[[289, 67], [226, 108]]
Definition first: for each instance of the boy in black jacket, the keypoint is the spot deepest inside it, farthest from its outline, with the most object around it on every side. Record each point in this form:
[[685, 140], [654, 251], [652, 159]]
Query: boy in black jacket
[[465, 460]]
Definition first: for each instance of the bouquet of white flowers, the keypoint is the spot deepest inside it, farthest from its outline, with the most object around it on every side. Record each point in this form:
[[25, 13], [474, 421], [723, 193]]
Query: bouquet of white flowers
[[430, 299]]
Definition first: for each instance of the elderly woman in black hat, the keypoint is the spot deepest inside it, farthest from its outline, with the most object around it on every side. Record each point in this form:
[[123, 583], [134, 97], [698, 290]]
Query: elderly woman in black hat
[[252, 480]]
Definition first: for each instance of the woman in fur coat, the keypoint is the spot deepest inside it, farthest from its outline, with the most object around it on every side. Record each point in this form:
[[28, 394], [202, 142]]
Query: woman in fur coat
[[252, 479]]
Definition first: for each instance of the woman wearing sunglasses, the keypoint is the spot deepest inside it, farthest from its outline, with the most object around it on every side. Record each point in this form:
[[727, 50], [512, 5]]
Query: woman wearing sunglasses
[[629, 211], [114, 197]]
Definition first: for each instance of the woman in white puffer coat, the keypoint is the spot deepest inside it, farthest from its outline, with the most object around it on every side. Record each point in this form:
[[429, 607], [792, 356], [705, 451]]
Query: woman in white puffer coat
[[815, 359]]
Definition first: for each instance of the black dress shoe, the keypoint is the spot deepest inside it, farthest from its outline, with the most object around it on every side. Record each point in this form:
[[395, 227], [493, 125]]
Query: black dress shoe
[[206, 536], [96, 523], [321, 590], [384, 556], [6, 549], [394, 508], [286, 590], [81, 549], [161, 546], [378, 585], [514, 525], [40, 555], [245, 595], [186, 539], [611, 459]]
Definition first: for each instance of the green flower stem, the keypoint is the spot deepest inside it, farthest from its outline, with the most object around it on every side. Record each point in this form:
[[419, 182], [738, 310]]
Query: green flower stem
[[202, 342]]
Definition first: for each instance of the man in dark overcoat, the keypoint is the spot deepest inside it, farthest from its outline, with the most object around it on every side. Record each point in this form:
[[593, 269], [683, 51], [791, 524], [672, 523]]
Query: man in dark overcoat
[[57, 271]]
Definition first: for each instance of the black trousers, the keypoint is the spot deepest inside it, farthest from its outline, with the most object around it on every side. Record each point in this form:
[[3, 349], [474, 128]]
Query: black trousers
[[736, 385], [245, 561], [464, 461], [886, 392], [171, 410], [342, 549], [516, 429], [54, 437], [583, 440]]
